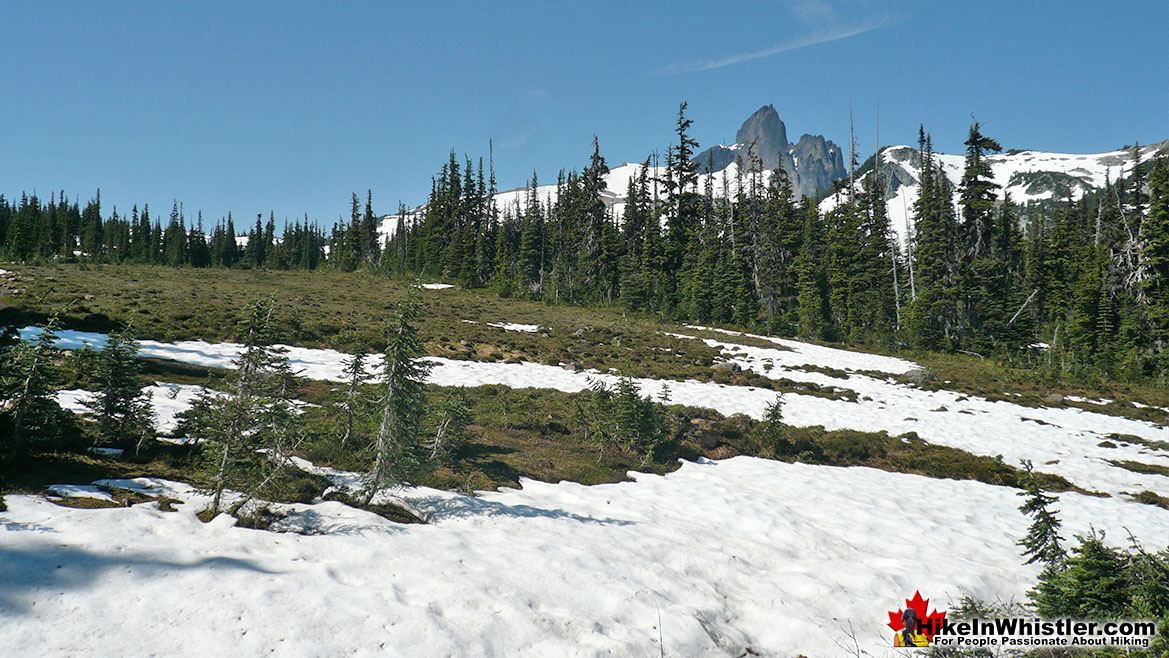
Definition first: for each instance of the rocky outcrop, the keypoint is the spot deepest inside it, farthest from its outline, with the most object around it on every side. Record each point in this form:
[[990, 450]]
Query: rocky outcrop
[[811, 164]]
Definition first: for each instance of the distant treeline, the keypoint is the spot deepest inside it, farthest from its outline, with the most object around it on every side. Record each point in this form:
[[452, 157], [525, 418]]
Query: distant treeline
[[1082, 285], [34, 231]]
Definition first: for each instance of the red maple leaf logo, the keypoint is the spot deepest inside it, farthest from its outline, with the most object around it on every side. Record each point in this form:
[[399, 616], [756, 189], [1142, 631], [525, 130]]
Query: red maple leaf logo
[[931, 623]]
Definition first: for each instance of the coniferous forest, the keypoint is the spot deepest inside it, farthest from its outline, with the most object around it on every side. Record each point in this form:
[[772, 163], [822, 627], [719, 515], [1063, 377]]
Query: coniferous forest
[[1080, 285]]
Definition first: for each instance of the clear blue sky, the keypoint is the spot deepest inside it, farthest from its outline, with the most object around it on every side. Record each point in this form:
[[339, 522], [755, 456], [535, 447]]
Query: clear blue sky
[[291, 106]]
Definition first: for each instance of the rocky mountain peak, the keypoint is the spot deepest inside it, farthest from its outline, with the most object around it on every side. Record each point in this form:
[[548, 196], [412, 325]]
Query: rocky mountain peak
[[767, 132], [812, 163]]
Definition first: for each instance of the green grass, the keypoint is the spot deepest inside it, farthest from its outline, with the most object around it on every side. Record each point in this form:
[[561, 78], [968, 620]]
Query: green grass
[[525, 433], [1140, 467], [336, 310], [528, 433], [994, 380], [1152, 498], [1137, 440]]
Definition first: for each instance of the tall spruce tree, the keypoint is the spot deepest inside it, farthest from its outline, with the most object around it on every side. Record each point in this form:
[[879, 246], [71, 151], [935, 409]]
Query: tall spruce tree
[[1042, 542], [397, 445], [980, 264], [1155, 255], [125, 417], [354, 403], [253, 416]]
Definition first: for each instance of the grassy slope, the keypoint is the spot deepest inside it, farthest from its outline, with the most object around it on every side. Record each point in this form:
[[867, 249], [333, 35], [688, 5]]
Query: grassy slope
[[518, 433]]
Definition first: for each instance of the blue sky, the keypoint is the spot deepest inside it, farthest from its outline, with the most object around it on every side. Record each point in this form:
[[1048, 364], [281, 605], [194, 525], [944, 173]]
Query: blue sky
[[291, 106]]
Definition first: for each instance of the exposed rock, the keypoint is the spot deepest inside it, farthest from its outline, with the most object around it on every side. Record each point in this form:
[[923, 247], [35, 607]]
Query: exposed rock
[[917, 377], [727, 365], [817, 163], [1053, 399], [721, 452], [811, 164]]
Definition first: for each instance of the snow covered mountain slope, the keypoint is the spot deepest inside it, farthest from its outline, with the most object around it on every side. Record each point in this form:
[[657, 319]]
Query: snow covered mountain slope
[[723, 182], [812, 163], [738, 557], [1028, 176]]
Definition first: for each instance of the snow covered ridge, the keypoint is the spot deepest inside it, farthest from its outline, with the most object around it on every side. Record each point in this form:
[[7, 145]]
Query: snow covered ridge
[[743, 553], [1026, 175], [723, 183], [1065, 441]]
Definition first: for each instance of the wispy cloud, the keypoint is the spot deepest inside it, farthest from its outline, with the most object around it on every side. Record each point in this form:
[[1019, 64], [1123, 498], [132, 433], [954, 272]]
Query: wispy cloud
[[821, 22]]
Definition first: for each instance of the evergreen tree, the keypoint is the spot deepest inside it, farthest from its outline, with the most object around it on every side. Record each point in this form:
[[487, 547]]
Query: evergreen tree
[[812, 295], [254, 415], [932, 314], [371, 245], [397, 445], [31, 412], [448, 427], [91, 227], [682, 205], [775, 432], [354, 403], [123, 410], [174, 240], [1155, 260], [1042, 541], [844, 265], [198, 254], [981, 264], [1089, 585], [531, 248], [618, 417], [255, 253]]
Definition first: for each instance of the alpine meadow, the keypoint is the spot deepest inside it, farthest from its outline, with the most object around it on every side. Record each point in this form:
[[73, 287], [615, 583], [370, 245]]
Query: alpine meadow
[[488, 345]]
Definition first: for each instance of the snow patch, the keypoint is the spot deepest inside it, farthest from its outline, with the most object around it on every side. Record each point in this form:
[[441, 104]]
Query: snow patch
[[728, 555], [1063, 441], [513, 326], [79, 491]]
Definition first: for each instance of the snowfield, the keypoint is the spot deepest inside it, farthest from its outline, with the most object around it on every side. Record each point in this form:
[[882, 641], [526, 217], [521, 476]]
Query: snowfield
[[1060, 440], [734, 556], [743, 553], [1025, 175]]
